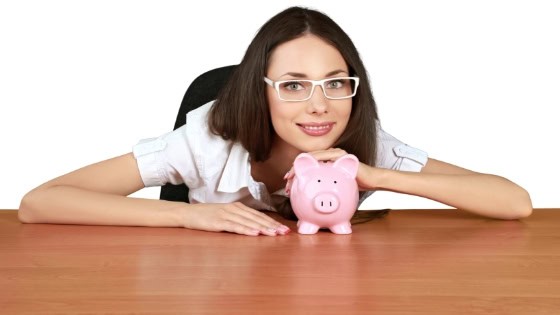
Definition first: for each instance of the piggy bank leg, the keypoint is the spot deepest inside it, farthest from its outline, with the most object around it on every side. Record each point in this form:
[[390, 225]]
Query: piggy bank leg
[[307, 228], [342, 228]]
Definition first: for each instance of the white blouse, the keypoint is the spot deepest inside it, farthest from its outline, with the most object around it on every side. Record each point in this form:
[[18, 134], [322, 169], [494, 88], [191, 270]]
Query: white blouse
[[218, 170]]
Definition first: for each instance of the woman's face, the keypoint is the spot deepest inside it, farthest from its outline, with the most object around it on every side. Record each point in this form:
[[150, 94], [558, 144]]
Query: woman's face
[[314, 124]]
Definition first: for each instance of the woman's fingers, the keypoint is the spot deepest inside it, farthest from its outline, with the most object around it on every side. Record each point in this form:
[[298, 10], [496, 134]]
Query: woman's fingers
[[258, 220], [328, 155], [232, 217], [229, 226], [289, 179]]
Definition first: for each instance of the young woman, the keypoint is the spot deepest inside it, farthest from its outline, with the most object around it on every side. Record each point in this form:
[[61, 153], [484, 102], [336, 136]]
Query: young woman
[[301, 87]]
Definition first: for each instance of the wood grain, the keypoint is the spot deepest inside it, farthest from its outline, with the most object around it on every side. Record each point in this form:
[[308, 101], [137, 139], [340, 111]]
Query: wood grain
[[409, 262]]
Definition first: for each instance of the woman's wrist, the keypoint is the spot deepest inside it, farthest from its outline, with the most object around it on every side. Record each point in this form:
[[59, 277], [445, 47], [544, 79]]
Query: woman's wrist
[[173, 215], [375, 178]]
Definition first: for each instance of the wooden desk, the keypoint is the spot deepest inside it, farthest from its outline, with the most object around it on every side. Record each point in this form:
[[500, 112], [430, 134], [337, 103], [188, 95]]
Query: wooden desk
[[410, 262]]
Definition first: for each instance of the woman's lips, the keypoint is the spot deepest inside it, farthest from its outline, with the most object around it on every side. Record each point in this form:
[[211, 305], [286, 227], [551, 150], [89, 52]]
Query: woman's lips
[[316, 129]]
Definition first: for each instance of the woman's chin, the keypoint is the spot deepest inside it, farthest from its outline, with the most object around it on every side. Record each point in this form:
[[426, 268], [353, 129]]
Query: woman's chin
[[311, 147], [305, 144]]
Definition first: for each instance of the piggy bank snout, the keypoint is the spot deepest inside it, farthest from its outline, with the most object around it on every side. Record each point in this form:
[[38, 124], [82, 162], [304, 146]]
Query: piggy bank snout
[[326, 203]]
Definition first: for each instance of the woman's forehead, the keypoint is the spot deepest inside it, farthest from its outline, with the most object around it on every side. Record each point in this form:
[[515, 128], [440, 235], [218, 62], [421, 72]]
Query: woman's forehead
[[308, 55]]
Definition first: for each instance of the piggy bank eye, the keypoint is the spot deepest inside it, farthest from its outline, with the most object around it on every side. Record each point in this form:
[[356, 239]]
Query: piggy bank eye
[[335, 181], [318, 181]]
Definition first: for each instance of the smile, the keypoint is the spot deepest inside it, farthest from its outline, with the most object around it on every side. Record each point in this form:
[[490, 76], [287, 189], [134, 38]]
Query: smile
[[316, 129]]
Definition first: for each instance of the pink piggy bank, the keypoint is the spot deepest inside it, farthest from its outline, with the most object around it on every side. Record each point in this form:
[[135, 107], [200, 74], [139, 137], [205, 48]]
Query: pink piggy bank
[[324, 194]]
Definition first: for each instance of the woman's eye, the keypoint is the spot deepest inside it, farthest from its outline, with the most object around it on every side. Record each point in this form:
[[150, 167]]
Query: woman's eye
[[292, 86], [336, 84]]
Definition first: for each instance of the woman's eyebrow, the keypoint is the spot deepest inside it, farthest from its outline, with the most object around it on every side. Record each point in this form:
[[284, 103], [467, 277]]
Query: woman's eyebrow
[[335, 72], [303, 75], [294, 74]]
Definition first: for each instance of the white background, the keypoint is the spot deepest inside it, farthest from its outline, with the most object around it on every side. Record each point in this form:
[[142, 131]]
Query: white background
[[474, 83]]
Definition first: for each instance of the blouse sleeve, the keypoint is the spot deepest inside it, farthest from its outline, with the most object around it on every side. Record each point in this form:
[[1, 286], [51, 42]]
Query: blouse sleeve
[[166, 159], [179, 156], [396, 155]]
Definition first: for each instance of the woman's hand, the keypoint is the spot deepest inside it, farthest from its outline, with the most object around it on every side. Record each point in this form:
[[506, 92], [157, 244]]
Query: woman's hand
[[364, 171], [231, 217]]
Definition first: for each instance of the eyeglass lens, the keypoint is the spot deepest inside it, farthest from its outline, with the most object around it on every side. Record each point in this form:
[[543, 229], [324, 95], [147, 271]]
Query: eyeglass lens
[[301, 89]]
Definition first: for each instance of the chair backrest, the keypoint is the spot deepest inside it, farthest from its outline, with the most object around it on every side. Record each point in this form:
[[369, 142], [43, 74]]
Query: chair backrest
[[202, 90]]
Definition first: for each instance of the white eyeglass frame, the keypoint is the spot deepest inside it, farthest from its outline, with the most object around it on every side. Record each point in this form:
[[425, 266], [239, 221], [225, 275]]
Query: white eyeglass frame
[[276, 86]]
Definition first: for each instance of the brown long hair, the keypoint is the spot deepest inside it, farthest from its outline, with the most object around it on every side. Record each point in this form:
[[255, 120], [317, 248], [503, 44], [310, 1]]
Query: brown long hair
[[241, 107]]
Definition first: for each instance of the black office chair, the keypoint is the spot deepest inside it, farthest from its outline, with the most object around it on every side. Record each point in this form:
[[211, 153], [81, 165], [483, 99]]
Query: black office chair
[[202, 90]]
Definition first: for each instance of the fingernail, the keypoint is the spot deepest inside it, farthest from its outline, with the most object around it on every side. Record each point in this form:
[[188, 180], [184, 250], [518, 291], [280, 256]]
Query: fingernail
[[283, 229], [270, 231], [286, 176]]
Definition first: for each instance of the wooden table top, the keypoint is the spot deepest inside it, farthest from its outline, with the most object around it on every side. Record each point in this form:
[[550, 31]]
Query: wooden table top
[[410, 262]]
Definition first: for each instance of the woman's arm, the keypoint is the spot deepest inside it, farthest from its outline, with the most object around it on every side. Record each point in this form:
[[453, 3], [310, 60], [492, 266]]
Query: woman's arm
[[483, 194], [96, 195]]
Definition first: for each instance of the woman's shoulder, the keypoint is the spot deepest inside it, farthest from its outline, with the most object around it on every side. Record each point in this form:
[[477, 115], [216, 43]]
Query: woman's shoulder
[[199, 116], [194, 136], [197, 128], [186, 154]]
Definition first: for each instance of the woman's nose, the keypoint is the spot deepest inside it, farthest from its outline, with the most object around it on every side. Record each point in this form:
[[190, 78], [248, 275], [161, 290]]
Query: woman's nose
[[318, 101]]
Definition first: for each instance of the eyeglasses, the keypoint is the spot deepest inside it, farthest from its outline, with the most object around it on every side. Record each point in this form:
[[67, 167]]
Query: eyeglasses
[[302, 90]]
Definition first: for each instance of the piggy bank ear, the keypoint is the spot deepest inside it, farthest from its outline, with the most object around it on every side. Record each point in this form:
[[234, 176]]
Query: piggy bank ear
[[349, 163], [303, 162]]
